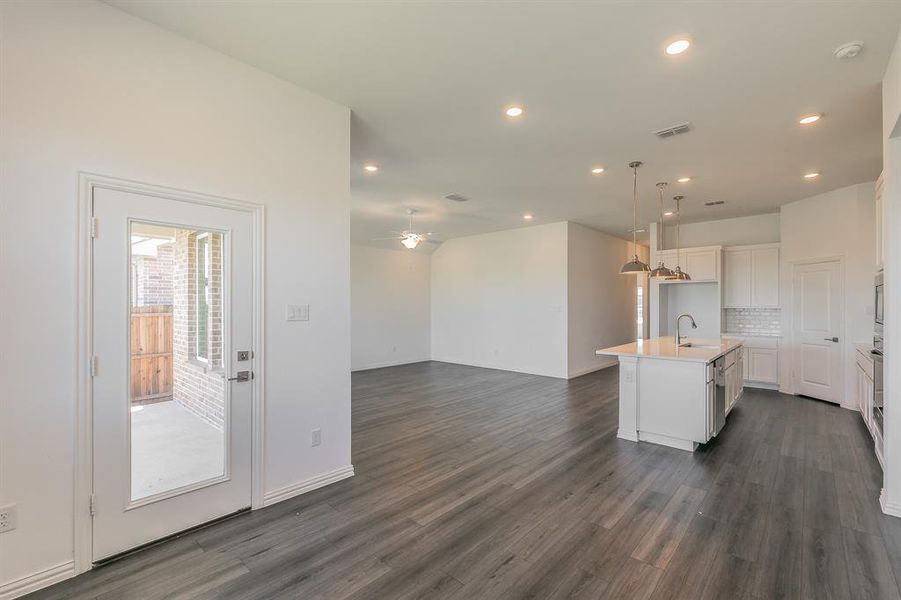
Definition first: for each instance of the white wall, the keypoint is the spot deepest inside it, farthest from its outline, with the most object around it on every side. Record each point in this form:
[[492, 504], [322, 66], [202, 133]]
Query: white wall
[[390, 307], [837, 223], [499, 300], [757, 229], [891, 144], [601, 302], [86, 87]]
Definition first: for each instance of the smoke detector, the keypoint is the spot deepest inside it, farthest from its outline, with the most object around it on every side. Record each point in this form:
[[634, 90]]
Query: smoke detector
[[849, 50], [454, 197], [673, 130]]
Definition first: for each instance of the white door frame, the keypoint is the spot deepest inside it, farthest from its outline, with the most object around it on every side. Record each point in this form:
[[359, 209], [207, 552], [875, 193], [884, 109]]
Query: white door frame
[[84, 435], [788, 317]]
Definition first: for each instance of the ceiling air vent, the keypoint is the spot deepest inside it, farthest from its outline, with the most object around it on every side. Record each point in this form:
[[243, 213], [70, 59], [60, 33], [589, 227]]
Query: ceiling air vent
[[674, 130], [454, 197], [714, 202]]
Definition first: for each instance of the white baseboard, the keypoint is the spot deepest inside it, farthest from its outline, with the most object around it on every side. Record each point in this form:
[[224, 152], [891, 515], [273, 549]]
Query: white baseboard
[[632, 436], [763, 386], [892, 509], [36, 581], [592, 369], [454, 361], [307, 485], [389, 363]]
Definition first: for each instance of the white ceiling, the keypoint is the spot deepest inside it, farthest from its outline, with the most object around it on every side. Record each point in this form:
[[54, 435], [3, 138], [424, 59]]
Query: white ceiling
[[427, 82]]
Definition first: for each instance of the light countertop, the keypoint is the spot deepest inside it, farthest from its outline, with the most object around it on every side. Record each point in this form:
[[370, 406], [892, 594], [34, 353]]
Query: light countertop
[[665, 348]]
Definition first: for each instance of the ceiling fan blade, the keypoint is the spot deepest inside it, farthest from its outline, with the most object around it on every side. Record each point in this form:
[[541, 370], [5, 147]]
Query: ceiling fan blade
[[431, 241], [385, 239]]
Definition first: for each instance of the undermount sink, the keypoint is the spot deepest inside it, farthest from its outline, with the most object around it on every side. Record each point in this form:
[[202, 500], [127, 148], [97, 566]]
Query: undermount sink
[[691, 345]]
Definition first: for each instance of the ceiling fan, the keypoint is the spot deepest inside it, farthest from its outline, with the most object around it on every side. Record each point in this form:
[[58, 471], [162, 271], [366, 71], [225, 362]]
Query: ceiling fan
[[409, 238]]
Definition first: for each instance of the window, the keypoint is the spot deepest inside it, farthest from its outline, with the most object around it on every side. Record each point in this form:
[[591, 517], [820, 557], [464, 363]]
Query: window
[[202, 299]]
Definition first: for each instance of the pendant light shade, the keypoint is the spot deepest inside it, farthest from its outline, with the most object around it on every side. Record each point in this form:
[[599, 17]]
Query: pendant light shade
[[678, 274], [634, 266], [661, 271]]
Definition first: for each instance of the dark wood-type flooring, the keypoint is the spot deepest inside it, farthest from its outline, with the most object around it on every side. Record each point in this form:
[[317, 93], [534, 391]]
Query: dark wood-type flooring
[[474, 483]]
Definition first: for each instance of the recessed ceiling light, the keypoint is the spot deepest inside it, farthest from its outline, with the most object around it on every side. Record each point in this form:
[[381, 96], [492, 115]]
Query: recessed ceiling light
[[849, 50], [371, 167], [684, 179], [514, 111], [678, 47], [597, 170], [808, 119], [813, 175], [528, 216], [668, 213]]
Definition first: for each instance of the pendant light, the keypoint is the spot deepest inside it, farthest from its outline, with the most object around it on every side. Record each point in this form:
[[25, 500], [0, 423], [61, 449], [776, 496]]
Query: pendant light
[[634, 266], [662, 271], [410, 239], [678, 274]]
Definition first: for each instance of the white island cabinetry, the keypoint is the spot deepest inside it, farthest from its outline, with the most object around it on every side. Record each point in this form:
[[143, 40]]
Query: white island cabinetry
[[677, 396]]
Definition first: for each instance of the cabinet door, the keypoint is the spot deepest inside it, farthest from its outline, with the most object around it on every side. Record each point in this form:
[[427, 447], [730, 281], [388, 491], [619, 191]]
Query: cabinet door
[[865, 397], [731, 371], [765, 277], [763, 365], [736, 278], [667, 256], [700, 265], [745, 362]]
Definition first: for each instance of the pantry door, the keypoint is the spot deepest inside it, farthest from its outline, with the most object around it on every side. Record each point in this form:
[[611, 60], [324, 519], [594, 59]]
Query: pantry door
[[172, 366], [817, 323]]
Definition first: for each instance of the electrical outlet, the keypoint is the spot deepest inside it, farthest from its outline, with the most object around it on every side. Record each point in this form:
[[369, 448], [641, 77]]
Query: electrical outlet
[[7, 517], [316, 437]]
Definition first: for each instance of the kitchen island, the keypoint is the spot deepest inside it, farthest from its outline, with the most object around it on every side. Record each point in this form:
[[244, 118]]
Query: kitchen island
[[677, 395]]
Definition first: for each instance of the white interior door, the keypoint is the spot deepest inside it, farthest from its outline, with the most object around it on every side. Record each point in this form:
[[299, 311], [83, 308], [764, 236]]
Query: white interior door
[[817, 323], [172, 308]]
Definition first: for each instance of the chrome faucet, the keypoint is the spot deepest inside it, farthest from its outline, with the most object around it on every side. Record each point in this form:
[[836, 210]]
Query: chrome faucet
[[678, 321]]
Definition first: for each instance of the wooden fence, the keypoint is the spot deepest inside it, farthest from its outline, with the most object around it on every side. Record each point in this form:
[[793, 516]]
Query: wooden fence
[[151, 353]]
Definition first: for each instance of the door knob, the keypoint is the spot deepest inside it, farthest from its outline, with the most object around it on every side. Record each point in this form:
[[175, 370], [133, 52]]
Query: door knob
[[242, 376], [832, 339]]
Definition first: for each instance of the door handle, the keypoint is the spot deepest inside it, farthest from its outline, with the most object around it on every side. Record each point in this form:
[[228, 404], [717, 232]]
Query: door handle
[[832, 339], [241, 376]]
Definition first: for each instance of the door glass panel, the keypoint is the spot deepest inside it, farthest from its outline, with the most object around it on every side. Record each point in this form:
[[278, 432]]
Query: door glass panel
[[177, 400]]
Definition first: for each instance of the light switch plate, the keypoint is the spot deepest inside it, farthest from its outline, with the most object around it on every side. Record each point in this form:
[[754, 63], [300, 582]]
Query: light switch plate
[[297, 312]]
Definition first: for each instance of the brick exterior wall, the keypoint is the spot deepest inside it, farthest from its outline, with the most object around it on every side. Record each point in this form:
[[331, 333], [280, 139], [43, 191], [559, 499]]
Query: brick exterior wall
[[152, 276], [198, 387]]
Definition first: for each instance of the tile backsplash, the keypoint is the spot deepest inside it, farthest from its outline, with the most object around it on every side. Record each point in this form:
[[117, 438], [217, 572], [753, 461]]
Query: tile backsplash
[[753, 321]]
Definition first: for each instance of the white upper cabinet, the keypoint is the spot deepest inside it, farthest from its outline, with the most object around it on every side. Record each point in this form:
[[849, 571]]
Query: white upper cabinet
[[736, 278], [765, 277], [751, 276], [701, 264]]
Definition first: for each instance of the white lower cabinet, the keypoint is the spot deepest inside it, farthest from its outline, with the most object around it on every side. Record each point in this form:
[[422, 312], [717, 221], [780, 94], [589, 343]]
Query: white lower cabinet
[[763, 365], [760, 361], [865, 389], [734, 380]]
